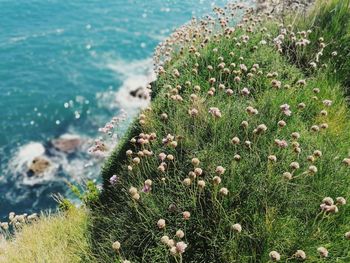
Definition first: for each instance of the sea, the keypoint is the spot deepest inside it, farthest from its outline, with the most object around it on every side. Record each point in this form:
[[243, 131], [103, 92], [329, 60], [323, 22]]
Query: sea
[[66, 68]]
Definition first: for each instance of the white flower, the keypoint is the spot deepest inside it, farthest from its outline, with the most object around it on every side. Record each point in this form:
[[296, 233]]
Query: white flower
[[180, 233], [323, 252], [300, 254], [116, 245], [237, 228], [224, 191], [275, 256], [161, 223]]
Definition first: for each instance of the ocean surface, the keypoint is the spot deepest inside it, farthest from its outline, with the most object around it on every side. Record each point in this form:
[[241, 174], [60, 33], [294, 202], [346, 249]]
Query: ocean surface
[[65, 70]]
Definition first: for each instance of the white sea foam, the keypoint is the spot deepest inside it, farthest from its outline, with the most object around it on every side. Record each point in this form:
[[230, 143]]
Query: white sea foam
[[134, 74], [20, 162]]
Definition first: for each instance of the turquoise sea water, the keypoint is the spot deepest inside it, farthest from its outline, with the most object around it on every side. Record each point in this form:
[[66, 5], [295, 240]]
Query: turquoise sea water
[[61, 64]]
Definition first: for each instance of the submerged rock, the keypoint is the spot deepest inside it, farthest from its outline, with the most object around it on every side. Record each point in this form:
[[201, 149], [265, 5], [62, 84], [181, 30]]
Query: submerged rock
[[38, 166], [67, 143]]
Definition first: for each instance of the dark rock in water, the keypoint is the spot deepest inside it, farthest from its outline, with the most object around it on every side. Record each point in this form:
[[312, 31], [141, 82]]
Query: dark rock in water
[[139, 93], [67, 144], [38, 166]]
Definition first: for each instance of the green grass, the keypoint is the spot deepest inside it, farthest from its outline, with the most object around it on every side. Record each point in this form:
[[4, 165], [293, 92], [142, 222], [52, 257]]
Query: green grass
[[54, 238], [275, 214]]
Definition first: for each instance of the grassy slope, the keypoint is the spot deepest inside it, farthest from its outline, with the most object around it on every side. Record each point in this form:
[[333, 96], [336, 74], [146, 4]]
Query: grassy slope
[[54, 239], [275, 214]]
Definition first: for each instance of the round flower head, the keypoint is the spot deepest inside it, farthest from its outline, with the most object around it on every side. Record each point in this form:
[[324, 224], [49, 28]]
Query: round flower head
[[248, 143], [187, 181], [274, 256], [301, 105], [220, 170], [132, 190], [244, 124], [161, 223], [170, 157], [295, 135], [4, 225], [180, 233], [328, 201], [215, 112], [186, 215], [198, 171], [327, 103], [312, 169], [113, 180], [12, 216], [171, 243], [300, 254], [237, 157], [173, 251], [126, 261], [129, 152], [164, 116], [136, 160], [136, 196], [346, 161], [216, 180], [311, 158], [294, 165], [323, 252], [287, 175], [341, 200], [245, 92], [148, 182], [164, 240], [173, 144], [201, 184], [229, 92], [261, 128], [161, 168], [236, 228], [195, 161], [162, 156], [285, 108], [347, 235], [281, 124], [324, 113], [224, 191], [324, 126], [272, 158], [193, 112], [116, 245], [235, 140], [180, 247], [317, 153]]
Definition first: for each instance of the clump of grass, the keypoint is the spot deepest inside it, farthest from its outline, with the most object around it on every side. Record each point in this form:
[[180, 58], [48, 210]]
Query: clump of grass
[[330, 25], [240, 156], [59, 237]]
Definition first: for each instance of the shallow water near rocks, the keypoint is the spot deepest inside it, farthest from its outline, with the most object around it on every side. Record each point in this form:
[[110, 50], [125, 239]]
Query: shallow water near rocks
[[63, 68]]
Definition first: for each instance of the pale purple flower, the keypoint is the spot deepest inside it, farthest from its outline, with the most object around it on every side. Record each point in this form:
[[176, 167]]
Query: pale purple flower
[[146, 188], [113, 180]]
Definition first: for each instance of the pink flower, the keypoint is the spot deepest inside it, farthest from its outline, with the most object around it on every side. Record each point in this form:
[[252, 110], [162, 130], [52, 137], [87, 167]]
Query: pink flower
[[215, 112], [180, 247], [285, 108]]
